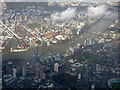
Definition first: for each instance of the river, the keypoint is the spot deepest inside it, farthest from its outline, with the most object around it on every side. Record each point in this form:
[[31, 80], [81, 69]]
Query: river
[[100, 26]]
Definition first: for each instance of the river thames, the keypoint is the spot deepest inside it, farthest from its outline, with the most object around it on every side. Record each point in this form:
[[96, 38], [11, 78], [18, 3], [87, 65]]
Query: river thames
[[99, 26]]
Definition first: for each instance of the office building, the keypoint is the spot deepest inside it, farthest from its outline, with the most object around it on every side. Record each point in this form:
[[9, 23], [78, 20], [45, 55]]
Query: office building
[[56, 67], [93, 87], [36, 52], [79, 76], [24, 71], [14, 72]]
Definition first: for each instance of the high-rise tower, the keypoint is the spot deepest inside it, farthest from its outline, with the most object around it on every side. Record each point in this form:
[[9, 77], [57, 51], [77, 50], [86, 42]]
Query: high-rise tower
[[24, 71], [36, 52], [14, 72], [56, 67]]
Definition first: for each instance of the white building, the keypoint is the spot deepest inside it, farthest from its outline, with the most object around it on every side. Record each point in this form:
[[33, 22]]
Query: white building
[[24, 71], [79, 76], [56, 67], [14, 72], [59, 37]]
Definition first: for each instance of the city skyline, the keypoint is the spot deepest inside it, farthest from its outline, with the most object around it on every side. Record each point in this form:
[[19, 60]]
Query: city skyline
[[60, 45]]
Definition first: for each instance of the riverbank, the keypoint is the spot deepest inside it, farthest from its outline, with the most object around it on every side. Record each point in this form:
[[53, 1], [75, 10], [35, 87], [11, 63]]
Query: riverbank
[[99, 26]]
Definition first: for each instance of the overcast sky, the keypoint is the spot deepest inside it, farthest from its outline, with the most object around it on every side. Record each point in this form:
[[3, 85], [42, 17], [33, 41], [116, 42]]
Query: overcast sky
[[59, 0]]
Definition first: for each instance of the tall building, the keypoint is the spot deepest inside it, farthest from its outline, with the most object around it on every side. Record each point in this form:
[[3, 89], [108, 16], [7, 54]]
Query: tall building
[[48, 43], [79, 76], [42, 42], [24, 71], [74, 31], [15, 25], [93, 87], [56, 67], [14, 72], [20, 17], [25, 18], [36, 52], [85, 43], [72, 50]]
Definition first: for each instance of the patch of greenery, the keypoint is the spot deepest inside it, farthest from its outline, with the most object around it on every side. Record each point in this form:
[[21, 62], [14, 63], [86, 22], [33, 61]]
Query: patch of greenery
[[33, 26], [65, 80], [118, 30], [38, 42], [90, 59], [116, 85], [82, 58], [86, 56]]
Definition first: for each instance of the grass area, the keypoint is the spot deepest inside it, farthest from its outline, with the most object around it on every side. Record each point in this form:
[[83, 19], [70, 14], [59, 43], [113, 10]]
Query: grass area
[[38, 42], [65, 80], [118, 31], [90, 59], [34, 25], [116, 85], [82, 58], [86, 56]]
